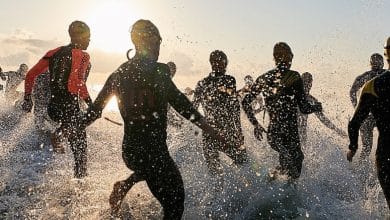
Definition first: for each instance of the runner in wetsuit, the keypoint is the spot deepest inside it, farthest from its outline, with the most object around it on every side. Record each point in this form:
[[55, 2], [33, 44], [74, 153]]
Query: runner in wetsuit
[[144, 89], [14, 79], [302, 118], [283, 92], [69, 67], [366, 130], [41, 98], [218, 96], [375, 99]]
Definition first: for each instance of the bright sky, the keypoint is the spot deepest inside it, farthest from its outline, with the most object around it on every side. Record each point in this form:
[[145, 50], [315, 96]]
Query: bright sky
[[332, 38]]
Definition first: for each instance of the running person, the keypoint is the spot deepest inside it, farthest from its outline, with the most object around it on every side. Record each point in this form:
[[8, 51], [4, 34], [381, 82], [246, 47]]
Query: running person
[[375, 99], [283, 92], [218, 96], [367, 128], [144, 89], [69, 68], [13, 80], [41, 97], [302, 118]]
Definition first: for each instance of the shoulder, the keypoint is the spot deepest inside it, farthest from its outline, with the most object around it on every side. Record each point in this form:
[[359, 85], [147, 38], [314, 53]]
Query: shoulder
[[163, 70], [50, 53], [80, 53]]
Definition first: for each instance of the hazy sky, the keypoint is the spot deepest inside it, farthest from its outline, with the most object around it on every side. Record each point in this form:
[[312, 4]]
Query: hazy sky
[[332, 38]]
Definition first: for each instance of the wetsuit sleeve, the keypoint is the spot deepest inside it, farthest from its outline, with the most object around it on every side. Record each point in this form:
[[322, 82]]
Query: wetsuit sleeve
[[37, 69], [357, 84], [304, 106], [254, 91], [109, 89], [362, 110], [180, 102], [197, 95]]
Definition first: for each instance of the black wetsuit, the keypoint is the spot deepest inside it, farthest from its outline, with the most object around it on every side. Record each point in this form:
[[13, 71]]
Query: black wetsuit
[[375, 99], [368, 124], [217, 95], [144, 89], [283, 92]]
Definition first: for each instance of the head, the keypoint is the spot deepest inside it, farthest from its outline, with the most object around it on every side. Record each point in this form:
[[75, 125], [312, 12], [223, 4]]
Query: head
[[282, 54], [188, 91], [376, 61], [387, 51], [307, 79], [23, 68], [146, 39], [172, 68], [218, 61], [80, 34], [248, 79]]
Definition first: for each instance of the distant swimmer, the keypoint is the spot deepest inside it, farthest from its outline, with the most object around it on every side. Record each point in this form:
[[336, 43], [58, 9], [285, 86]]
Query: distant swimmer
[[13, 80], [302, 119], [375, 99], [282, 89], [367, 128], [216, 93]]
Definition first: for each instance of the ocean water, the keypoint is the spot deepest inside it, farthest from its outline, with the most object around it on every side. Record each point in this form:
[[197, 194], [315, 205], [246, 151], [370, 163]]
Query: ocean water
[[37, 183]]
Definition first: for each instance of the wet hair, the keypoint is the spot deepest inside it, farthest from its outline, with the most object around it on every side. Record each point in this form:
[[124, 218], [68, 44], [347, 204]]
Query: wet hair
[[307, 77], [376, 61], [143, 31], [387, 44], [78, 28], [248, 78], [172, 68], [23, 66], [216, 56], [282, 52]]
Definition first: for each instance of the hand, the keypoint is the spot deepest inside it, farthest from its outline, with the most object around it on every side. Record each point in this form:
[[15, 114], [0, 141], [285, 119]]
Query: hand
[[350, 155], [27, 103], [258, 132], [318, 106]]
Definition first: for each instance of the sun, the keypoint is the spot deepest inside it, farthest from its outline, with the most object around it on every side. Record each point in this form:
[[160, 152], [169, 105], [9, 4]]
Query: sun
[[110, 23]]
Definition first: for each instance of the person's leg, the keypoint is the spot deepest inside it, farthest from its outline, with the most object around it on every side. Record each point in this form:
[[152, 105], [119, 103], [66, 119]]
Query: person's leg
[[238, 154], [211, 155], [383, 171], [78, 142], [167, 186], [366, 131], [290, 154], [119, 191]]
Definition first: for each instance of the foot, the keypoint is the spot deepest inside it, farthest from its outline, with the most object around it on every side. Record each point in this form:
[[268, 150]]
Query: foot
[[58, 147], [117, 195]]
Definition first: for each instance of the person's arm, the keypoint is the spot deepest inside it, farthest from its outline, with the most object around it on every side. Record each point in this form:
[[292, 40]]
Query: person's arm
[[357, 84], [304, 106], [95, 109], [39, 68], [361, 112], [197, 95], [254, 91]]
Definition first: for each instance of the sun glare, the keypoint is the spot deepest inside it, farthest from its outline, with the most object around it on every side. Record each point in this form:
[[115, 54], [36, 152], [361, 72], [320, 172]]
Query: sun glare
[[110, 23]]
